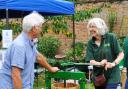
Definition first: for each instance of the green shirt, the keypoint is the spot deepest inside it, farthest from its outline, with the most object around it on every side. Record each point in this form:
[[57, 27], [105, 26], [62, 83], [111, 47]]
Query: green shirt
[[126, 52], [108, 49]]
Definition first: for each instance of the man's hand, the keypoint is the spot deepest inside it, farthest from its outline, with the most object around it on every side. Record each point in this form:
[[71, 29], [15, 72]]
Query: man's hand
[[42, 61], [54, 69]]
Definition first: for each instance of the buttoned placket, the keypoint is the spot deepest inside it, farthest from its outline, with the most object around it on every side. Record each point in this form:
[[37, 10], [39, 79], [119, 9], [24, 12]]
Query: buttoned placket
[[32, 45]]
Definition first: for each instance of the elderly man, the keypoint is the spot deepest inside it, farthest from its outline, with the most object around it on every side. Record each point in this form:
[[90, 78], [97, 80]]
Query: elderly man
[[18, 69]]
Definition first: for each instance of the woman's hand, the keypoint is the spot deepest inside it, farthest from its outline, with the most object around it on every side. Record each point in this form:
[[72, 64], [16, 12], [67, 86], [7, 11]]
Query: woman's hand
[[93, 62], [103, 62], [109, 65]]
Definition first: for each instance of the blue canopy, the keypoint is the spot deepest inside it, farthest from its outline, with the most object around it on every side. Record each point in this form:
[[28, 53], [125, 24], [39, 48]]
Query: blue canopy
[[45, 7]]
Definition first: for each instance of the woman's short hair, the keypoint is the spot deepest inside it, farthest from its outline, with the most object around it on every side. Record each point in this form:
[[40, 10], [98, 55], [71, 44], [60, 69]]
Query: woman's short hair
[[100, 25], [31, 20]]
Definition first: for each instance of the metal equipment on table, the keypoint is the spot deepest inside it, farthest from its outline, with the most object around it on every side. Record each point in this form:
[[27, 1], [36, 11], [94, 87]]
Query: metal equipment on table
[[66, 75]]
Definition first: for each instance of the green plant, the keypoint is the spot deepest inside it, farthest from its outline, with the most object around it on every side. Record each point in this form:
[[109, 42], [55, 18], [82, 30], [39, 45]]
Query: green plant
[[112, 16], [121, 41], [60, 23], [16, 27], [79, 48], [85, 14], [48, 45]]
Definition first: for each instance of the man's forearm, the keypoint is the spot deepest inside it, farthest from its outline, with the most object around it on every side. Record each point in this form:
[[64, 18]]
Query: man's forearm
[[16, 78], [43, 62], [17, 82]]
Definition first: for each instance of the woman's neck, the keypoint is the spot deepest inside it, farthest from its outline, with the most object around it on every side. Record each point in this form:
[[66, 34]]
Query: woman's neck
[[98, 40]]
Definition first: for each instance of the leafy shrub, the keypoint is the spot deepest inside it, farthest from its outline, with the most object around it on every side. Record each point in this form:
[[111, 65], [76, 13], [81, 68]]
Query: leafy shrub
[[79, 48], [112, 16], [48, 45]]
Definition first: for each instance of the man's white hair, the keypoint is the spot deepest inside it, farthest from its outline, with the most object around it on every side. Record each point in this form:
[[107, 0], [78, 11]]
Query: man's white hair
[[99, 23], [31, 20]]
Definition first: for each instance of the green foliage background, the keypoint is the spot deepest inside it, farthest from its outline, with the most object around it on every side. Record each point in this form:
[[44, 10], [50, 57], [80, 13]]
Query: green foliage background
[[48, 45]]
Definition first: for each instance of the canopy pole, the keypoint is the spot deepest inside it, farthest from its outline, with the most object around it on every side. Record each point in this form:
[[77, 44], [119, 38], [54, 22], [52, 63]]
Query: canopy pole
[[7, 19], [74, 53], [74, 36]]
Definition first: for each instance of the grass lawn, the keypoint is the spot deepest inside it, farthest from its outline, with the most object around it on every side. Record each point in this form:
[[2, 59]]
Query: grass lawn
[[40, 83]]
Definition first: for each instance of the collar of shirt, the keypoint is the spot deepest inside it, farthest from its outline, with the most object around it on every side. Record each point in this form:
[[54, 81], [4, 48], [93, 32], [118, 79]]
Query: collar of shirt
[[103, 37], [30, 41]]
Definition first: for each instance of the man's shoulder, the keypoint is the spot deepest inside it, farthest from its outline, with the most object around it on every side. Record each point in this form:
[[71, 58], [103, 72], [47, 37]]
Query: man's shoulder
[[19, 41]]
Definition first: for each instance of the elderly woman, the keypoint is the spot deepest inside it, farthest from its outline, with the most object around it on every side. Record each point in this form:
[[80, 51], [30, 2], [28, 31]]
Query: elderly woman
[[103, 51]]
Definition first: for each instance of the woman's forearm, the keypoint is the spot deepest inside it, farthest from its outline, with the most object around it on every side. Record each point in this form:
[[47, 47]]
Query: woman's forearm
[[119, 58]]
